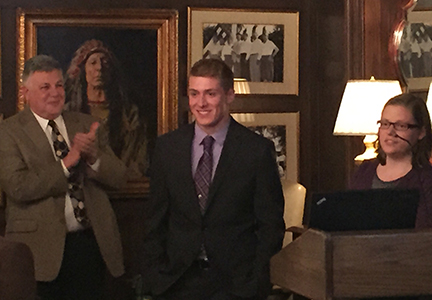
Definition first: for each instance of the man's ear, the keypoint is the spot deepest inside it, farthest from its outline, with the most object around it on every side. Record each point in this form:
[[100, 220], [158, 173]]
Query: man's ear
[[230, 96], [23, 92]]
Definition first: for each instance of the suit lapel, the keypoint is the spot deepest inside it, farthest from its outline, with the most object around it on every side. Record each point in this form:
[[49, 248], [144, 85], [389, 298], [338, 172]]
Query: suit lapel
[[34, 132], [73, 126], [227, 158]]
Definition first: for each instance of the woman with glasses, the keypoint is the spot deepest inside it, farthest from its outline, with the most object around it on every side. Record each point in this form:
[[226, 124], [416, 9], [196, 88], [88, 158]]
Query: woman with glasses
[[404, 150]]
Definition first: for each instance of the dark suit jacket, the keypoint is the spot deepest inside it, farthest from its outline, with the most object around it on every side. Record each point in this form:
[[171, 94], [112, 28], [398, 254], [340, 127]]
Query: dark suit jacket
[[242, 227], [35, 186], [17, 281]]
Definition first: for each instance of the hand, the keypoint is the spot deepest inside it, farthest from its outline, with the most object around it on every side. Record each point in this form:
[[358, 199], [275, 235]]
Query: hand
[[86, 143], [83, 146]]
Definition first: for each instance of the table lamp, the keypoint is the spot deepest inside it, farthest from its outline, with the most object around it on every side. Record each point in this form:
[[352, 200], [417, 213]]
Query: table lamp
[[360, 109]]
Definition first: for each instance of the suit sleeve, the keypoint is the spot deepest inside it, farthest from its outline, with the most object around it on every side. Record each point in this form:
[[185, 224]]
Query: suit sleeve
[[156, 224], [24, 179], [269, 209]]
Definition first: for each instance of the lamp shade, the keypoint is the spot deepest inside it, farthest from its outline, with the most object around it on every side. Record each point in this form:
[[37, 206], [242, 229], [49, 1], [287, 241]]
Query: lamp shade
[[361, 106], [429, 99]]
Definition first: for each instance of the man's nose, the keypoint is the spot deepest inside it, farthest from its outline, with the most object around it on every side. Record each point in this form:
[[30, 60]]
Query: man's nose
[[55, 91], [202, 100], [98, 66]]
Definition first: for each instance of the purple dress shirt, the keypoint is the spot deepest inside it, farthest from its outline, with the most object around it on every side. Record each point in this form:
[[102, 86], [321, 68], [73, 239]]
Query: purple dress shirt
[[198, 149]]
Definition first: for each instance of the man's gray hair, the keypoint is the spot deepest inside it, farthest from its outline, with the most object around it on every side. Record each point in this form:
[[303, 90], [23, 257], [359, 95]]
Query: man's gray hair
[[40, 63]]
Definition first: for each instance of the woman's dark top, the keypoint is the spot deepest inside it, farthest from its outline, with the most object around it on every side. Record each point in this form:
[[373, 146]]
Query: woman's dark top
[[417, 178]]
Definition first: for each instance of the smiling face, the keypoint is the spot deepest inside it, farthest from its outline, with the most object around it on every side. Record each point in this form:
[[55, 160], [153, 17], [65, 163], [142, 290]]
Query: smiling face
[[95, 69], [389, 140], [209, 103], [44, 93]]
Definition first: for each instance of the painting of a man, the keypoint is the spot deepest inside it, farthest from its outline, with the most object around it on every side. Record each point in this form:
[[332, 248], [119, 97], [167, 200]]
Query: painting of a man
[[95, 84]]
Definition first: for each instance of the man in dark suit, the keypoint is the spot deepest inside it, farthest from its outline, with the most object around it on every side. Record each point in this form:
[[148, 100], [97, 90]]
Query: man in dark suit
[[218, 248], [54, 167]]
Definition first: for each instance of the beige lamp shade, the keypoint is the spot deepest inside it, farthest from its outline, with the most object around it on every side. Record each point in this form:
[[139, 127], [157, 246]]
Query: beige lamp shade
[[429, 99], [361, 106]]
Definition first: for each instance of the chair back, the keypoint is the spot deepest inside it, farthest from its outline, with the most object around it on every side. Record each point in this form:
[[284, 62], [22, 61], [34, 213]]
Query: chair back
[[294, 194]]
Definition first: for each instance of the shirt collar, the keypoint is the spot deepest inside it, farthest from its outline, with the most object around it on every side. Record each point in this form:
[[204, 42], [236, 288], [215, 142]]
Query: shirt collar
[[219, 136], [44, 122]]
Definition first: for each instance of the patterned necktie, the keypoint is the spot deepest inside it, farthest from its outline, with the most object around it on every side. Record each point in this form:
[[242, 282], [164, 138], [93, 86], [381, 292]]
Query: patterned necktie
[[203, 174], [75, 176]]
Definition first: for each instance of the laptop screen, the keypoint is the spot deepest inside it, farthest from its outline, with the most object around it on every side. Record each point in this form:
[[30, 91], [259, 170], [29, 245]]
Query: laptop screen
[[373, 209]]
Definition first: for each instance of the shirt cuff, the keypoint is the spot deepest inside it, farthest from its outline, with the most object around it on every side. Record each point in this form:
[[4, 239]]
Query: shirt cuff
[[96, 165], [65, 170]]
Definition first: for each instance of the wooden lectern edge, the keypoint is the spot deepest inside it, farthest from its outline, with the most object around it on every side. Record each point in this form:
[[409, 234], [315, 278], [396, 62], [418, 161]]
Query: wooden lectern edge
[[307, 265], [296, 231], [305, 258]]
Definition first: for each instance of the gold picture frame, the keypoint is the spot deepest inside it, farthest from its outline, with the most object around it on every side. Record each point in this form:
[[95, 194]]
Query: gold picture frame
[[280, 28], [137, 34]]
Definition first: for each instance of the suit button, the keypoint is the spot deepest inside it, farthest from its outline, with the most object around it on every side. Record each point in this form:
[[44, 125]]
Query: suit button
[[199, 196]]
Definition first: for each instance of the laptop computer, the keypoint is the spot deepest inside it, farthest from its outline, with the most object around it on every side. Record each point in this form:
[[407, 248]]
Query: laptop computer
[[373, 209]]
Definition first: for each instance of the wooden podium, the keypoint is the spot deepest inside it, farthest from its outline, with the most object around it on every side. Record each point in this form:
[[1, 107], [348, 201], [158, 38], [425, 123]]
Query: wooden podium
[[321, 265]]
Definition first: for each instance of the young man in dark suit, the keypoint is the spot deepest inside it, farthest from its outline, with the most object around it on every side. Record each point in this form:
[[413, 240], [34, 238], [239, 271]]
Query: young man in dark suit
[[212, 237]]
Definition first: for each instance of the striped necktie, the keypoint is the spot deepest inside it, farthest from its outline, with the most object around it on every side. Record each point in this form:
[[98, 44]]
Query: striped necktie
[[203, 174]]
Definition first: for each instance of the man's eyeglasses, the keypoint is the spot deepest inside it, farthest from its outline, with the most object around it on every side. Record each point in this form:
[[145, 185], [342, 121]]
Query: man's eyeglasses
[[396, 125]]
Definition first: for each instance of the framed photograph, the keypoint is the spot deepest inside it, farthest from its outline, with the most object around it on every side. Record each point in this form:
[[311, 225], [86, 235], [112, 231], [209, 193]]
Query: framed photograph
[[260, 47], [283, 130], [422, 4], [413, 41], [137, 53]]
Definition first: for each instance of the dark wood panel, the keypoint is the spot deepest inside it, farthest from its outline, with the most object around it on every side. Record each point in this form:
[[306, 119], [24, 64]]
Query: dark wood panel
[[381, 18]]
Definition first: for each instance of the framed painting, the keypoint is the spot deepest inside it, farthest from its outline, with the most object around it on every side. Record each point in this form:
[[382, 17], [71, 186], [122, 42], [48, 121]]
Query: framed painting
[[283, 130], [412, 40], [139, 73], [260, 47]]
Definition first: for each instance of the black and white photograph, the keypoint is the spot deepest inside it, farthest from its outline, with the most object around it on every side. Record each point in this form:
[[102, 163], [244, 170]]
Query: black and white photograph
[[261, 47], [414, 47], [282, 130], [253, 52], [423, 4], [415, 50], [277, 134]]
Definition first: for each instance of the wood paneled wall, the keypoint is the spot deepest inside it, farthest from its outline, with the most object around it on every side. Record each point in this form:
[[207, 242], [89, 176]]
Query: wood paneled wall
[[322, 60], [339, 40]]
